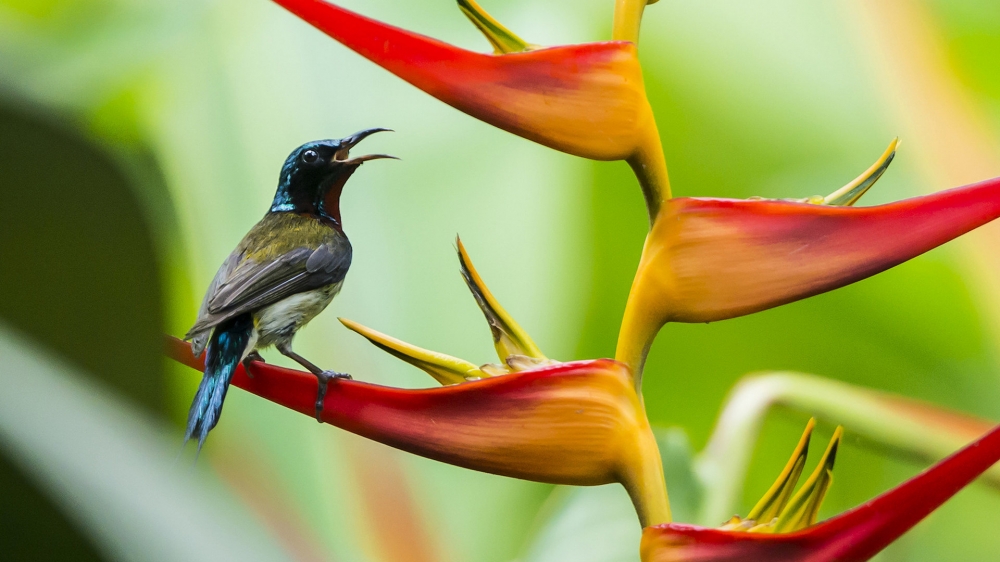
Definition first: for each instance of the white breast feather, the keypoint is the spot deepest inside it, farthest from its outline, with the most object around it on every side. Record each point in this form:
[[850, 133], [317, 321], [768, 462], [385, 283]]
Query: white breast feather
[[280, 321]]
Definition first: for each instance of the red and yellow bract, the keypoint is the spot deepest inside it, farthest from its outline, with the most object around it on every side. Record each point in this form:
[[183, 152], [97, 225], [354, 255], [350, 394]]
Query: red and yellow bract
[[588, 100], [570, 423], [853, 536], [711, 259]]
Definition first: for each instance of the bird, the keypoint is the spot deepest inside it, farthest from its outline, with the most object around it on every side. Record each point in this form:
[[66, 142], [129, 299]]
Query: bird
[[284, 272]]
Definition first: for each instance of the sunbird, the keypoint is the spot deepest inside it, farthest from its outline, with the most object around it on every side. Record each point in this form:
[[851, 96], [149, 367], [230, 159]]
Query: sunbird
[[284, 272]]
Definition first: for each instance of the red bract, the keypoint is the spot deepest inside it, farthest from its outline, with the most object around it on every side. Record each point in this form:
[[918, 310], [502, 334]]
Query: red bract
[[734, 257], [586, 100], [711, 259], [853, 536], [570, 423]]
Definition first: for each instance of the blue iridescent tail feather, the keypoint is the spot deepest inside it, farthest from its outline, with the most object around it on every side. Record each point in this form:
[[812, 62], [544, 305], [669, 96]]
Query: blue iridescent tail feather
[[225, 350]]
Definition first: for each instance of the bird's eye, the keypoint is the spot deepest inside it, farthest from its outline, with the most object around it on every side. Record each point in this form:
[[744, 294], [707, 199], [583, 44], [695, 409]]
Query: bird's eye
[[309, 156]]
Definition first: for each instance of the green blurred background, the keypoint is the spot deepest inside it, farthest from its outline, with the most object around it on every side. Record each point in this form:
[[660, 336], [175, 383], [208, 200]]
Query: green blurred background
[[139, 141]]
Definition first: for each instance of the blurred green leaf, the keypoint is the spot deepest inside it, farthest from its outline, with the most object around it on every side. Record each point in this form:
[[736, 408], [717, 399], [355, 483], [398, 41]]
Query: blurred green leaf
[[112, 471], [594, 524], [69, 232]]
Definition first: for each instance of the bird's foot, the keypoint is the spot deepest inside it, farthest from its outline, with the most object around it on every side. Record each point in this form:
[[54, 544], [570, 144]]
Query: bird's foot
[[250, 358], [324, 378]]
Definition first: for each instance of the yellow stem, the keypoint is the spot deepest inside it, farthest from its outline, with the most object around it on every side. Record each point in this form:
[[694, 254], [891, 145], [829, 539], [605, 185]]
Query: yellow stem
[[643, 479], [640, 324], [650, 167], [628, 17], [634, 341]]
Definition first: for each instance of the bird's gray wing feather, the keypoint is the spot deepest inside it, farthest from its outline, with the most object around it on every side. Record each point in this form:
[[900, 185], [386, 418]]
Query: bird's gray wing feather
[[253, 279], [252, 285], [199, 335]]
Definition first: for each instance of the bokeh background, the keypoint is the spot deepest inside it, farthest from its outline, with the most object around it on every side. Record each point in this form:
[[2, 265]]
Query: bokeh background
[[139, 140]]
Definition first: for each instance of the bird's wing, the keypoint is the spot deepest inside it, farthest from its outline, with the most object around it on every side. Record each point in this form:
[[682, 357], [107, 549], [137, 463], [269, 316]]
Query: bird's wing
[[199, 333], [252, 280], [224, 273], [251, 285]]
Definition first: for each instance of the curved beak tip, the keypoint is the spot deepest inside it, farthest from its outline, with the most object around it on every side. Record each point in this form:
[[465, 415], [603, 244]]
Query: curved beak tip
[[343, 154], [359, 136]]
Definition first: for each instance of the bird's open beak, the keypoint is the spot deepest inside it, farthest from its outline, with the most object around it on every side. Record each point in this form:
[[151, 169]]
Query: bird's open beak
[[343, 154]]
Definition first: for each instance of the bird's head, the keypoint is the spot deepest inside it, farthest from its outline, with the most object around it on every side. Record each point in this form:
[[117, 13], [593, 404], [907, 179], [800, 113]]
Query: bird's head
[[314, 175]]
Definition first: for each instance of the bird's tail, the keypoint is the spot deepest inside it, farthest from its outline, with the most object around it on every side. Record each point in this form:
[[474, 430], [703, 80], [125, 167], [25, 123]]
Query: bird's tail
[[223, 354]]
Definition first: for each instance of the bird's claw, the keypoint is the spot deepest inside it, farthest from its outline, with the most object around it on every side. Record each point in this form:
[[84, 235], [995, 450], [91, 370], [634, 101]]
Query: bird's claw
[[324, 378], [250, 358]]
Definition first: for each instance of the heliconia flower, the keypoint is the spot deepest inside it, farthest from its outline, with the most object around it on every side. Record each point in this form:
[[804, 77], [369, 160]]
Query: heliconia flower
[[912, 428], [575, 423], [515, 348], [709, 259], [530, 417], [778, 511], [588, 100], [853, 536]]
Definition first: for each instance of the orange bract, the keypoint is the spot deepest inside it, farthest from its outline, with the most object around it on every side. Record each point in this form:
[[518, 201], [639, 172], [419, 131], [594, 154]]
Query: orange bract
[[712, 259], [588, 100], [585, 99], [853, 536], [571, 423]]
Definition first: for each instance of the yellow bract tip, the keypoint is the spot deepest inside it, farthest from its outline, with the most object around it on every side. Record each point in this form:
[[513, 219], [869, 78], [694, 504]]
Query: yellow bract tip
[[503, 40], [775, 513], [773, 502], [444, 368], [850, 193], [803, 509], [508, 337]]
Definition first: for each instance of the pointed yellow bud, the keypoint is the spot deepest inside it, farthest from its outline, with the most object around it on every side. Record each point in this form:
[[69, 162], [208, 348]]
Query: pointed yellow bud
[[775, 499], [848, 195], [503, 40], [444, 368], [508, 337], [803, 509]]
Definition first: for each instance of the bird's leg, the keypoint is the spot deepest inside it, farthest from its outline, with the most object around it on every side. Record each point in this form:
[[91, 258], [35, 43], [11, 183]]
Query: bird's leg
[[250, 358], [323, 376]]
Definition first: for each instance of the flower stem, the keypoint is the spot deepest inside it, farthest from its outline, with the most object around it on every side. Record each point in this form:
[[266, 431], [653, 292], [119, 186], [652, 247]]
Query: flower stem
[[641, 322], [643, 479], [650, 167], [628, 17]]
